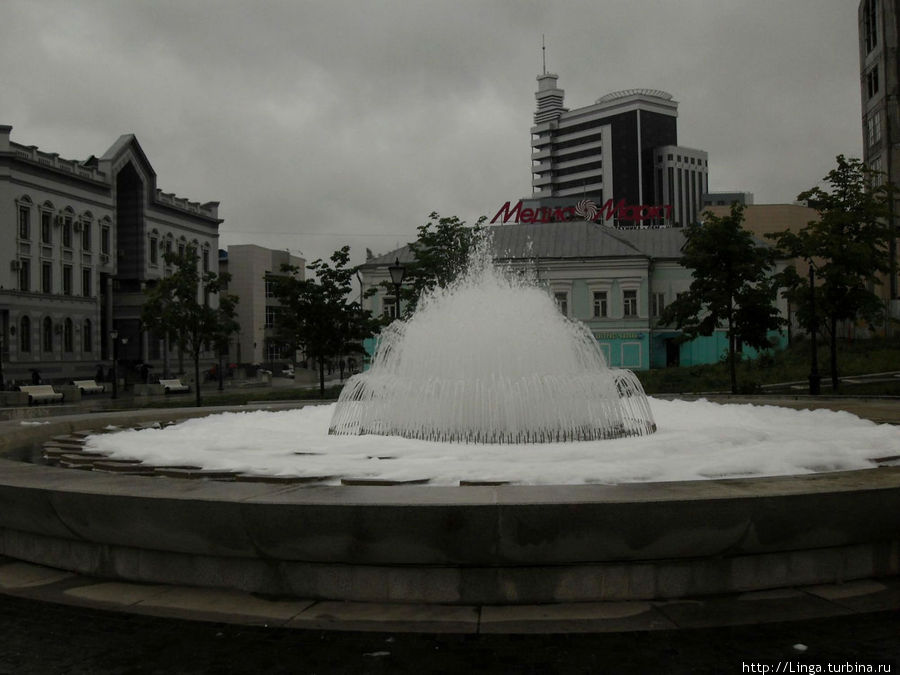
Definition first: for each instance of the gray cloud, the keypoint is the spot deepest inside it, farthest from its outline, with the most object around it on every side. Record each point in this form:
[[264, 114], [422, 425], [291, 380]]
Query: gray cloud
[[322, 123]]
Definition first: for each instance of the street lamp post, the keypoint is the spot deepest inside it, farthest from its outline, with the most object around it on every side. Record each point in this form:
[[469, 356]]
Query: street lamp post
[[397, 272], [125, 369], [114, 336], [814, 379]]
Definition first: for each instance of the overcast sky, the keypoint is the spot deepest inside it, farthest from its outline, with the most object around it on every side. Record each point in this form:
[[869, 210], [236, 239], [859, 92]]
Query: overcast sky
[[318, 124]]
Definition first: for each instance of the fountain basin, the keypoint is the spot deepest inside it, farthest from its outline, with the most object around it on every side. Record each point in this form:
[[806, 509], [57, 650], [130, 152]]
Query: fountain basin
[[439, 544]]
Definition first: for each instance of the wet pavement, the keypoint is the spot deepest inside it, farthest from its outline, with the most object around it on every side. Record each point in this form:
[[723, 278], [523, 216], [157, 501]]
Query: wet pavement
[[40, 637]]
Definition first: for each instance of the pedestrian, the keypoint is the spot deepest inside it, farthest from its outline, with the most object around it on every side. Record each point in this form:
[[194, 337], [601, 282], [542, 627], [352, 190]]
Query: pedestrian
[[98, 376], [35, 376]]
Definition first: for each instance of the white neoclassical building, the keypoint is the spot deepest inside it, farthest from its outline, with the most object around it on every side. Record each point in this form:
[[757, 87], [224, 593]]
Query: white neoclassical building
[[79, 242]]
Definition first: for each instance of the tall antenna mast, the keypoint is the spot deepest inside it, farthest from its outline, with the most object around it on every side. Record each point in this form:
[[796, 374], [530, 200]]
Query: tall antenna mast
[[544, 53]]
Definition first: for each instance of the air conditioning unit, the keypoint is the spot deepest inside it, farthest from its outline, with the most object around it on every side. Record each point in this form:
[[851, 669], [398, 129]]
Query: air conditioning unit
[[15, 265], [60, 219]]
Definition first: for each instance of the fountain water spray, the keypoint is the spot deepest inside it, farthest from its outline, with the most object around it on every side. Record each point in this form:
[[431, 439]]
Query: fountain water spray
[[490, 359]]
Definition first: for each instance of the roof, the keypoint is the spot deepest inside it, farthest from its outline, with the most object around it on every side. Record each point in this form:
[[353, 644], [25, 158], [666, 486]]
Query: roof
[[625, 93], [567, 240]]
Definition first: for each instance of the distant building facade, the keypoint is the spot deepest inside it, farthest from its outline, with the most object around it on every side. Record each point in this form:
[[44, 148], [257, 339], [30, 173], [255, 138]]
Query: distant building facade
[[726, 198], [80, 240], [616, 282], [879, 60], [623, 147], [251, 268]]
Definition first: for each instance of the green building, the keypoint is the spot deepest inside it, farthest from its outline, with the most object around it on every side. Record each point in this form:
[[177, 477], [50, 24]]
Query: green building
[[615, 281]]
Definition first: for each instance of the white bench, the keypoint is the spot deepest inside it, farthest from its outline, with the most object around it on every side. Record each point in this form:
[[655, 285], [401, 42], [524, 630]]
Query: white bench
[[41, 393], [89, 386], [174, 386]]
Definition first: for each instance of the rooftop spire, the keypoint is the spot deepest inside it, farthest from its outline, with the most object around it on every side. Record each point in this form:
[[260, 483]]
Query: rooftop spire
[[544, 53]]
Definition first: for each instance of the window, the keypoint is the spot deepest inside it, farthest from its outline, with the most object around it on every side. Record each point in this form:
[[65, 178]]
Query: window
[[46, 277], [205, 260], [168, 247], [271, 313], [389, 306], [46, 227], [47, 335], [154, 251], [25, 335], [24, 274], [600, 304], [67, 280], [872, 81], [86, 279], [68, 336], [869, 24], [104, 239], [270, 287], [67, 232], [629, 303], [181, 249], [87, 337], [562, 301], [86, 236], [24, 222], [657, 303], [873, 128]]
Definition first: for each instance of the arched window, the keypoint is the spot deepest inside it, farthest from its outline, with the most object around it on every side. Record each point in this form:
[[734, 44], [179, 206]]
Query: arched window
[[105, 235], [25, 335], [47, 335], [87, 337], [68, 335], [154, 247], [25, 205], [46, 212], [86, 223], [68, 223]]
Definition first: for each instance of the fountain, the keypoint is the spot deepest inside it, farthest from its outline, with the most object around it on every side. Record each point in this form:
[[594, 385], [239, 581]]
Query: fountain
[[483, 365], [490, 359]]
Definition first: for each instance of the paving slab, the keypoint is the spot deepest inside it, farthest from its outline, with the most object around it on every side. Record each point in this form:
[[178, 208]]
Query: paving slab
[[115, 593], [386, 617], [227, 606], [17, 575], [868, 595], [748, 608], [575, 617]]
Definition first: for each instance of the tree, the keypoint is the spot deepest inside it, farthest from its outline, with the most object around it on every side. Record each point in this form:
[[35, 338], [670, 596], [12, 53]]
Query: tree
[[440, 254], [178, 305], [732, 286], [847, 248], [315, 314]]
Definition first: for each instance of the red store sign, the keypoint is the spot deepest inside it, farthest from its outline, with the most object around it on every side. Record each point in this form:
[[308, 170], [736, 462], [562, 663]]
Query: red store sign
[[586, 209]]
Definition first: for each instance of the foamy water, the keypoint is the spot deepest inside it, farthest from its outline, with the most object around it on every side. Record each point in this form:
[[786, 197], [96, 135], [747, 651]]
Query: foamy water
[[695, 441]]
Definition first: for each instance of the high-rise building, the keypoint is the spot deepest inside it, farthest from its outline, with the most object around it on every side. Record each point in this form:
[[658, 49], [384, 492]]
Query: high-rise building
[[879, 39], [624, 146]]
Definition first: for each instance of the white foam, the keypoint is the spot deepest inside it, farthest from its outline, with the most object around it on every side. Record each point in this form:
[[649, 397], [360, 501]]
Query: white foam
[[695, 441]]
